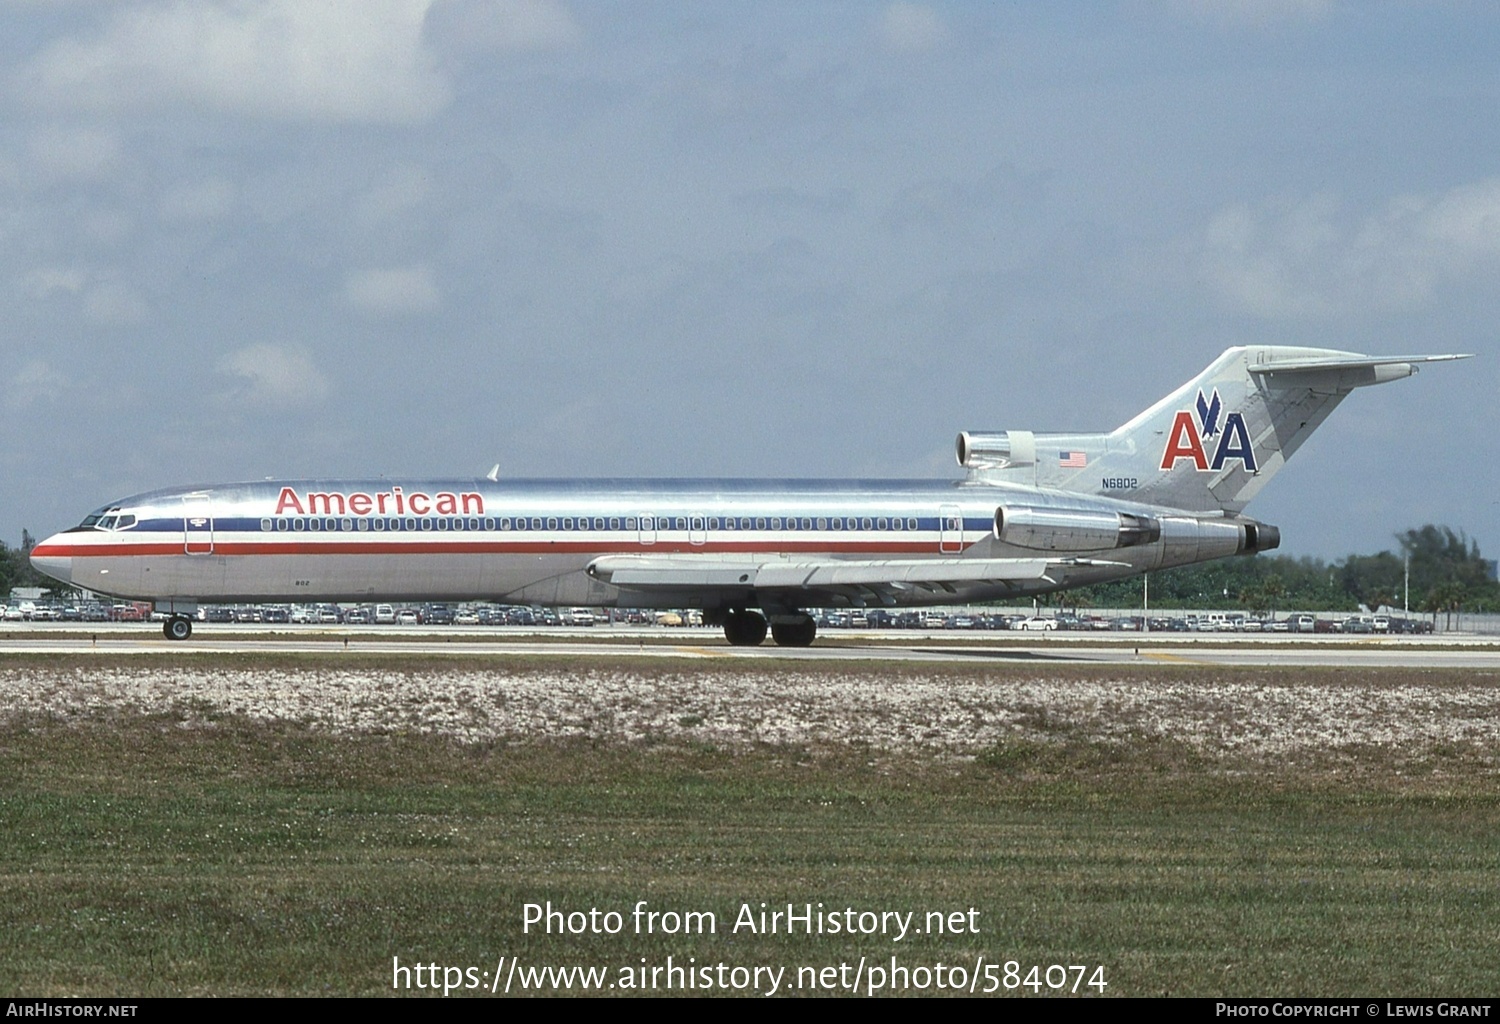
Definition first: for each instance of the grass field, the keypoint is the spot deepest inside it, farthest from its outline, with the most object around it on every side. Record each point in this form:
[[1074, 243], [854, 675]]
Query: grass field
[[289, 825]]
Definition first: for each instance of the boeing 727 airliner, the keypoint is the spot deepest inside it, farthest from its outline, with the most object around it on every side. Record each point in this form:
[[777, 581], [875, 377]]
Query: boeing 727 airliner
[[1035, 513]]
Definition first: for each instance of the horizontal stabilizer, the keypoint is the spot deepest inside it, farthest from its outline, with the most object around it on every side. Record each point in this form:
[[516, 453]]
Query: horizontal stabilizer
[[1385, 367], [697, 571]]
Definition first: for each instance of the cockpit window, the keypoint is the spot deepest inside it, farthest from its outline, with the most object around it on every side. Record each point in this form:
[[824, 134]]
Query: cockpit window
[[105, 519]]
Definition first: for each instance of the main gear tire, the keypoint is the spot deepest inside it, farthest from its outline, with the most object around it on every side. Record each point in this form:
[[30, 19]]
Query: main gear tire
[[744, 628], [800, 633]]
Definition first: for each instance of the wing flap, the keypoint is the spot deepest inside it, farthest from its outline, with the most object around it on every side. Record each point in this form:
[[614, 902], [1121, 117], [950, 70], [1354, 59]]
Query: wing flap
[[696, 571]]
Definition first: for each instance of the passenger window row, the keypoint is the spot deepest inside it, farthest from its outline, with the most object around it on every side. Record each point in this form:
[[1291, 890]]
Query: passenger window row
[[348, 524]]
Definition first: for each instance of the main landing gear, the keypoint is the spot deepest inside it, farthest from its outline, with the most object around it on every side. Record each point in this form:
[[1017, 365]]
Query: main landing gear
[[745, 628], [799, 632], [178, 627]]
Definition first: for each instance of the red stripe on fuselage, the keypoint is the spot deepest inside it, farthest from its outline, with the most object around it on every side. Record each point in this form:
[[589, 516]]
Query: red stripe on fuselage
[[240, 548]]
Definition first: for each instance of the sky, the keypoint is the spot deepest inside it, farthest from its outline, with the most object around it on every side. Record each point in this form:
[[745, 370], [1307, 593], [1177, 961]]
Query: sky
[[350, 238]]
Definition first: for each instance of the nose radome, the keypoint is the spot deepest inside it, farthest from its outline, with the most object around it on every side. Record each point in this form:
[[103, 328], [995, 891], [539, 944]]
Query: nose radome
[[49, 558]]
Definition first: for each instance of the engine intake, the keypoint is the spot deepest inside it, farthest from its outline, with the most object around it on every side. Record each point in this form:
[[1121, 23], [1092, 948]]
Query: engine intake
[[978, 450]]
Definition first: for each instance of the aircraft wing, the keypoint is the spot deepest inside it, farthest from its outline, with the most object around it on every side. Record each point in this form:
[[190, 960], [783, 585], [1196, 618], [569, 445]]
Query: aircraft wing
[[698, 572]]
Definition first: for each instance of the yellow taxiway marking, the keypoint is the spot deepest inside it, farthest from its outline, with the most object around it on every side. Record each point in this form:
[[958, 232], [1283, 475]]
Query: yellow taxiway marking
[[702, 652], [1174, 658]]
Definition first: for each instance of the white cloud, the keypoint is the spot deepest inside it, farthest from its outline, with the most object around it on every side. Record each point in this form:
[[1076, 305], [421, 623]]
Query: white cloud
[[44, 281], [1312, 258], [114, 304], [470, 26], [1256, 12], [34, 383], [398, 192], [330, 60], [106, 300], [392, 290], [191, 201], [73, 153], [273, 375], [911, 28]]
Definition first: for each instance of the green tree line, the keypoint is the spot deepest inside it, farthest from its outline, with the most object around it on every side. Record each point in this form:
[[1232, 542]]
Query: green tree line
[[16, 570], [1447, 574]]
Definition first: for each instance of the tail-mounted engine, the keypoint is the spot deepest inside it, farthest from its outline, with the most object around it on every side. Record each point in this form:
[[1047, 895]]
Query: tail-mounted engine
[[996, 451], [1187, 538], [1057, 529]]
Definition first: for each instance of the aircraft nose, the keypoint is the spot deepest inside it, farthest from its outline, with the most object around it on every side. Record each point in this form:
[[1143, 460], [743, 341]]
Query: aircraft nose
[[49, 558]]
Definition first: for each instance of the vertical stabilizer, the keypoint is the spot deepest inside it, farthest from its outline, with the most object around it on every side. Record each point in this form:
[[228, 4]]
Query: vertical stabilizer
[[1209, 446]]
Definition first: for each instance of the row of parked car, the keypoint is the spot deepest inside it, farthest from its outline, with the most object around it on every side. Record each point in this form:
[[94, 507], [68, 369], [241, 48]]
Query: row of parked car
[[431, 614], [88, 611], [1208, 622], [436, 614]]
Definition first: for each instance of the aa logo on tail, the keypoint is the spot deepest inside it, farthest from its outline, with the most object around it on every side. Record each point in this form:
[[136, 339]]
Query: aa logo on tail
[[1190, 439]]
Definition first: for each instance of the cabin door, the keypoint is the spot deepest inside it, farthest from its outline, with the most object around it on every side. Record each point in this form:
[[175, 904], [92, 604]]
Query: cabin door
[[950, 530], [197, 526]]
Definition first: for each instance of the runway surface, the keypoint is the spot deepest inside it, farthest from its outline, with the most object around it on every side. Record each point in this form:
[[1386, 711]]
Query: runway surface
[[1447, 651]]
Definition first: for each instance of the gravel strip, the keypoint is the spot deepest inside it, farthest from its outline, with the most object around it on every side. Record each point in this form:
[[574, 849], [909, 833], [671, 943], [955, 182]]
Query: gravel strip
[[954, 716]]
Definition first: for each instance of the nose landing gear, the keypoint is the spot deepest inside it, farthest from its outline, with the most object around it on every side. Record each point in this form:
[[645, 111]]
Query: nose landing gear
[[178, 627]]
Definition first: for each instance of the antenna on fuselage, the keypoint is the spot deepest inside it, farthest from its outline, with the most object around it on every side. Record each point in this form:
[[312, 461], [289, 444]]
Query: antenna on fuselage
[[494, 473]]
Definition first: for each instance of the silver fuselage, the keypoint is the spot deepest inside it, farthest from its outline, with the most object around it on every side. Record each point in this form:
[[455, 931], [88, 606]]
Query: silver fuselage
[[532, 541]]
